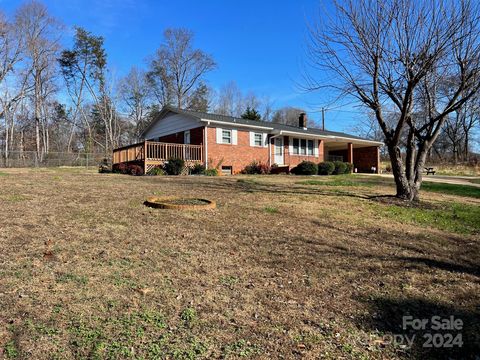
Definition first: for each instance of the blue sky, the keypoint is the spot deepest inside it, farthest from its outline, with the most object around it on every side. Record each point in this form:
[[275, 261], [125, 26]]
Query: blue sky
[[258, 44]]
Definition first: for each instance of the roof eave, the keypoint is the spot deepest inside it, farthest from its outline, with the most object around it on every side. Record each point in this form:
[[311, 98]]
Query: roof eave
[[231, 123], [328, 137]]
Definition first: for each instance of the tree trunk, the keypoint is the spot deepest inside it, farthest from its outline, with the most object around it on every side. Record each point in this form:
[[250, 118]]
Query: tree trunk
[[37, 116], [466, 150], [407, 186]]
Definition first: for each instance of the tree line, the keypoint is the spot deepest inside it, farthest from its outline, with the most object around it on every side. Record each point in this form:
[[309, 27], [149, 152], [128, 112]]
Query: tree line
[[66, 99]]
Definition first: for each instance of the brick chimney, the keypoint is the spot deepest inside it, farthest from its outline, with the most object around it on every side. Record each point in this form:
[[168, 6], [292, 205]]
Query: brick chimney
[[302, 120]]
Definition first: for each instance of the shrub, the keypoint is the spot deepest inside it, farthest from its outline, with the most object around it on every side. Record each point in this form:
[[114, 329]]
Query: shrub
[[211, 172], [256, 167], [135, 170], [104, 169], [305, 168], [119, 168], [348, 168], [131, 169], [197, 169], [157, 171], [326, 168], [174, 166], [340, 168]]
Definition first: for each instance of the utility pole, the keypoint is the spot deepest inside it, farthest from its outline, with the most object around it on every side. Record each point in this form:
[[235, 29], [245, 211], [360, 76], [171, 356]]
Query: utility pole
[[323, 118]]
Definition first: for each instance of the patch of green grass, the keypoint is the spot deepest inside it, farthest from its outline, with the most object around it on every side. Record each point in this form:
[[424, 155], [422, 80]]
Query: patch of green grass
[[16, 198], [451, 189], [307, 338], [337, 180], [10, 350], [120, 280], [241, 348], [453, 217], [3, 173], [228, 281], [250, 181], [189, 316], [64, 278], [130, 335], [194, 349], [271, 210]]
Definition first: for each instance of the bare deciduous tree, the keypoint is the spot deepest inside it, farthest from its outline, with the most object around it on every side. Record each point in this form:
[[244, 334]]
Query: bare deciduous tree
[[177, 68], [42, 34], [287, 115], [395, 53], [135, 94]]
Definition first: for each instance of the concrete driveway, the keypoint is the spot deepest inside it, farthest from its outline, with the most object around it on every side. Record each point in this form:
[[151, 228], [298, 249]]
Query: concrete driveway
[[456, 180]]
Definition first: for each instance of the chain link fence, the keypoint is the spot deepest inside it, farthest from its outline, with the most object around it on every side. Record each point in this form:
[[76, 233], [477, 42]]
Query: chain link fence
[[52, 159]]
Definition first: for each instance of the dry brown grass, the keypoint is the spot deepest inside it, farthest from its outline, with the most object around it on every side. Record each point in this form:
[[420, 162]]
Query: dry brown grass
[[278, 270]]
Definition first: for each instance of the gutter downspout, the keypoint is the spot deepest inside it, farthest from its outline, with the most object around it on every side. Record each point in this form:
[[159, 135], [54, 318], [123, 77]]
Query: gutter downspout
[[205, 141]]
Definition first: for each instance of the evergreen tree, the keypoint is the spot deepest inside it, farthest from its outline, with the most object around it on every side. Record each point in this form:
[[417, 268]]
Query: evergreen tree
[[251, 114]]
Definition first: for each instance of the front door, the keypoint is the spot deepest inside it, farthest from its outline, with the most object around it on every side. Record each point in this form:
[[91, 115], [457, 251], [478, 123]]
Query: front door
[[278, 151], [186, 137]]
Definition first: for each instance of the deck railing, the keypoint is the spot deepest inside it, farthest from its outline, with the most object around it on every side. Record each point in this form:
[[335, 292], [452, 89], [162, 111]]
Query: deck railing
[[134, 152], [157, 152]]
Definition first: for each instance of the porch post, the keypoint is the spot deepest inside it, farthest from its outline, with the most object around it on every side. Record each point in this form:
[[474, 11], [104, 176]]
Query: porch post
[[378, 160], [350, 153]]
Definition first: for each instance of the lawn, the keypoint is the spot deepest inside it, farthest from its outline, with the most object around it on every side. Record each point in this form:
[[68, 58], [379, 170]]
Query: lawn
[[285, 267]]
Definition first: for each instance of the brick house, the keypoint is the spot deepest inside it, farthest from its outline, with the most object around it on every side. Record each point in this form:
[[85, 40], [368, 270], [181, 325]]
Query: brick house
[[231, 143]]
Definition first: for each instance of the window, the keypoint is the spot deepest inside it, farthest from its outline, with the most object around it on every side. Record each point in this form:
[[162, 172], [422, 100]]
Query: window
[[227, 170], [227, 136], [296, 146], [303, 147], [257, 139], [310, 147]]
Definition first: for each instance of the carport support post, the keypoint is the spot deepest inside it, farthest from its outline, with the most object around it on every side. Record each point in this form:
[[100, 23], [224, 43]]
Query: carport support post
[[378, 160], [350, 153]]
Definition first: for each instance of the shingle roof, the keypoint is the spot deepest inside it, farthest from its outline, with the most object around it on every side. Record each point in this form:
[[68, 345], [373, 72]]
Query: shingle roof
[[276, 126]]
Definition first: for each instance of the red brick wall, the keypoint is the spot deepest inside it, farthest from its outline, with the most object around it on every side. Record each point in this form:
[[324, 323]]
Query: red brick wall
[[293, 160], [366, 157], [237, 156], [240, 155]]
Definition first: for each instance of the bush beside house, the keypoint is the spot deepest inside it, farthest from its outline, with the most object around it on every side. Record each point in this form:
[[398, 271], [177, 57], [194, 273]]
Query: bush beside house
[[174, 166], [131, 169], [340, 167], [326, 168], [305, 168], [256, 167]]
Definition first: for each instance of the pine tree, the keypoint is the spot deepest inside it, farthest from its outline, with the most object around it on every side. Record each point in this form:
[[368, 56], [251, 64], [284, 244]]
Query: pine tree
[[251, 114]]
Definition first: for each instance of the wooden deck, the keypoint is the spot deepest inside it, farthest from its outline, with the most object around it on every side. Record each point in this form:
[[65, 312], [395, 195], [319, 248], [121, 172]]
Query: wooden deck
[[157, 153]]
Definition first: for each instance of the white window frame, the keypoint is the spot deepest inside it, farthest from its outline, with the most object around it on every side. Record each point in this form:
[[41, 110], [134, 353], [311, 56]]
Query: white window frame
[[296, 150], [303, 149], [308, 147], [230, 137], [258, 142]]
